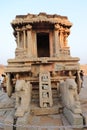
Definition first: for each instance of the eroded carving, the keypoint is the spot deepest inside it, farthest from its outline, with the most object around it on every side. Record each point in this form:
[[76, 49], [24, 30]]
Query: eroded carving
[[22, 93], [70, 98]]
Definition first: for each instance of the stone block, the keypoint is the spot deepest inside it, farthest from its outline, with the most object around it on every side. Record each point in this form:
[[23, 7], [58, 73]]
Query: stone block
[[22, 122], [9, 121], [74, 119], [85, 118]]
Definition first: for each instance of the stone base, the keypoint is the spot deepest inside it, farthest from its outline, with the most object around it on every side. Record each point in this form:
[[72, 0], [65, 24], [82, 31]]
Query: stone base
[[35, 110], [73, 119], [85, 118], [22, 122], [9, 120], [19, 112]]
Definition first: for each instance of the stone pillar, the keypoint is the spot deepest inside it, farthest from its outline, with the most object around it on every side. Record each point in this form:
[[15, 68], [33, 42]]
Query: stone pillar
[[56, 39], [79, 82], [29, 40], [51, 44], [61, 38], [24, 39], [66, 33], [34, 41], [18, 39], [65, 40], [9, 86]]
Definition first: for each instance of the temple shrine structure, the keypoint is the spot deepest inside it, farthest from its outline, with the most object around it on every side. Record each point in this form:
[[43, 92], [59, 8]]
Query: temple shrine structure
[[42, 75]]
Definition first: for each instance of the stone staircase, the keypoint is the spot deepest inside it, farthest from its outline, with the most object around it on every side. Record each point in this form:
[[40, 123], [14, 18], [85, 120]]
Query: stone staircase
[[36, 109], [45, 91], [35, 95]]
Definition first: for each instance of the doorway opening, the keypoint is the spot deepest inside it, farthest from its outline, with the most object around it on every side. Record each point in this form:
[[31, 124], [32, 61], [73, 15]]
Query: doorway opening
[[43, 45]]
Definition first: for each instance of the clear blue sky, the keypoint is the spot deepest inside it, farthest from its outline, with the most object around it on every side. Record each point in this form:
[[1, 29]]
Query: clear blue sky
[[76, 10]]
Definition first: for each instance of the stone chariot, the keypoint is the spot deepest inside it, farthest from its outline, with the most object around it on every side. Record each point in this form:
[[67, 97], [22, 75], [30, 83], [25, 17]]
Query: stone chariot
[[42, 75]]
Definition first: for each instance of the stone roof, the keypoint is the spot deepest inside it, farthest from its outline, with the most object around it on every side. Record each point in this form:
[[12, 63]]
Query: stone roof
[[41, 17]]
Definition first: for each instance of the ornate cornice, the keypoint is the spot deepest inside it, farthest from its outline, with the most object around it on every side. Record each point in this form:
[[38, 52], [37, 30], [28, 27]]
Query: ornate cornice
[[41, 17]]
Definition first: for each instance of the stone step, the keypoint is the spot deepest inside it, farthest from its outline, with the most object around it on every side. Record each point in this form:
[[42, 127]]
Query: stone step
[[55, 100], [46, 122], [36, 110], [65, 123], [35, 94]]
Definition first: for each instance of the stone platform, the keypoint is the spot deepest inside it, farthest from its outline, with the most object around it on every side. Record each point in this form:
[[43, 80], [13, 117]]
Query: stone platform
[[55, 121], [43, 122], [35, 110]]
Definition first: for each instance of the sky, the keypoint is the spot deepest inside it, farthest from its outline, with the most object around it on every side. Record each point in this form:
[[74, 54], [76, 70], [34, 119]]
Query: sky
[[75, 10]]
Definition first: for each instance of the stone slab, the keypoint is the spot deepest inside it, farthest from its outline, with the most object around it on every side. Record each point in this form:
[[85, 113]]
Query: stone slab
[[22, 122], [45, 111], [65, 123], [85, 118], [73, 119], [9, 120]]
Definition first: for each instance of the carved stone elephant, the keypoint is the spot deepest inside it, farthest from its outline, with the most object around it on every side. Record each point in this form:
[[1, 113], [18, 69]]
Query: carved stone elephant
[[23, 97], [69, 95]]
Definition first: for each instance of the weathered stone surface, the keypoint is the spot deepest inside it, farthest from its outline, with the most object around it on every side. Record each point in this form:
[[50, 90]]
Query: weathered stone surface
[[23, 96], [66, 123], [9, 121], [22, 122], [43, 60], [74, 119], [70, 98], [5, 101], [45, 111]]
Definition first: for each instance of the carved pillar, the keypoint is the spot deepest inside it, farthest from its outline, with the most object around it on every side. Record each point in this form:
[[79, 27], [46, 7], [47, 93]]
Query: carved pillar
[[66, 33], [21, 39], [78, 81], [18, 39], [61, 37], [65, 40], [24, 39], [9, 86], [51, 44], [34, 44], [56, 39], [29, 40]]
